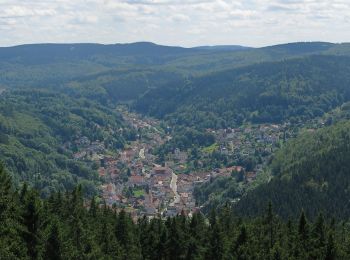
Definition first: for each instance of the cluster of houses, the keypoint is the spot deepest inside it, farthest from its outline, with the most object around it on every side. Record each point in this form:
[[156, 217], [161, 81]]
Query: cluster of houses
[[146, 188], [132, 180], [249, 140], [151, 191]]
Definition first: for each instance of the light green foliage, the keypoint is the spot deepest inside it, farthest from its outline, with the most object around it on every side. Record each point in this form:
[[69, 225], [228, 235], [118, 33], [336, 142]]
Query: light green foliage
[[35, 126]]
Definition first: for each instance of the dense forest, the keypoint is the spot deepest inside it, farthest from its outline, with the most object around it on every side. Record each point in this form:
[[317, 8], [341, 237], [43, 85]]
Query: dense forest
[[310, 172], [293, 90], [194, 87], [127, 71], [65, 227], [39, 129]]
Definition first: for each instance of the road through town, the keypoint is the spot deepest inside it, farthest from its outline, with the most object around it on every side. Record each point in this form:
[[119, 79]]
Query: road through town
[[173, 186]]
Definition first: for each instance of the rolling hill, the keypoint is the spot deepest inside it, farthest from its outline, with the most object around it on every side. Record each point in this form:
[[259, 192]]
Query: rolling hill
[[57, 65], [38, 137], [291, 90], [311, 173]]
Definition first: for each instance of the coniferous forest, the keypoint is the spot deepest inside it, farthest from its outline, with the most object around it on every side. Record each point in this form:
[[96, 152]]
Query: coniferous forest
[[64, 227]]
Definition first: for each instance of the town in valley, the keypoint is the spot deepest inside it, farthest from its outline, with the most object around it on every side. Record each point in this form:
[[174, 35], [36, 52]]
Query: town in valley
[[134, 179]]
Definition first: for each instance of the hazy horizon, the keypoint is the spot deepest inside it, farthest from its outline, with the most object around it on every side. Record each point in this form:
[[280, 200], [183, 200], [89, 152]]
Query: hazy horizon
[[171, 45], [254, 23]]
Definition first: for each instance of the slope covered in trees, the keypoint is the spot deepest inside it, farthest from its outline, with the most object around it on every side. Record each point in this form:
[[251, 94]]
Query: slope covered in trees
[[62, 227], [38, 130], [292, 90], [51, 65], [311, 172], [56, 65]]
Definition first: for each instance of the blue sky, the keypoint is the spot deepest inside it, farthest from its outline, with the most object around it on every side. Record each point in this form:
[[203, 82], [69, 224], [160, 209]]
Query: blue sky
[[174, 22]]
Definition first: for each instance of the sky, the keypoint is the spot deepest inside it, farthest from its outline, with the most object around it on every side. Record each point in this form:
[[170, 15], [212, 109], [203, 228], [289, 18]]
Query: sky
[[174, 22]]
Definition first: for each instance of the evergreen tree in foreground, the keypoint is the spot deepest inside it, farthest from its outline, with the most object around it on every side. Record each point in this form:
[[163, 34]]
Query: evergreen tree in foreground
[[62, 227]]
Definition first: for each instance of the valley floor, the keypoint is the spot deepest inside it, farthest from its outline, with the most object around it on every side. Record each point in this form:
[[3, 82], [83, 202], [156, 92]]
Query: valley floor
[[132, 178]]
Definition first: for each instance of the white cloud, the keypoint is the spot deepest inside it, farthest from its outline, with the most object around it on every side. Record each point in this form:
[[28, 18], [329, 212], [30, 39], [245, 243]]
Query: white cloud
[[174, 22]]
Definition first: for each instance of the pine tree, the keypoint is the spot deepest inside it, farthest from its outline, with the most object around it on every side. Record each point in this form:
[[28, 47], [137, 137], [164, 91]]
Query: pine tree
[[32, 221], [76, 221], [331, 249], [108, 242], [173, 244], [239, 243], [215, 248], [53, 245], [270, 225], [318, 231], [197, 232], [93, 207], [124, 231], [12, 245], [318, 238], [303, 227], [302, 249], [23, 193]]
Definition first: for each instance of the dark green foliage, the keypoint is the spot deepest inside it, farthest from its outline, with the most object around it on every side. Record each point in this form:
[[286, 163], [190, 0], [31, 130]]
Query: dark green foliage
[[217, 192], [32, 223], [109, 67], [310, 173], [61, 227], [291, 90], [12, 245], [53, 246], [330, 250]]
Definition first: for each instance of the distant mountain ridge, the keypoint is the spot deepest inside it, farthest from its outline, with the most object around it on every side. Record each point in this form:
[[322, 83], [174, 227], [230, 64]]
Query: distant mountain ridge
[[51, 52], [85, 50], [223, 47], [123, 49]]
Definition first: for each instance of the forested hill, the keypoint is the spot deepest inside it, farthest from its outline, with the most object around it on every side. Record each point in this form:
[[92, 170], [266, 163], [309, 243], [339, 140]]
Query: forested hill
[[311, 172], [32, 54], [51, 65], [54, 65], [35, 54], [39, 131], [290, 90]]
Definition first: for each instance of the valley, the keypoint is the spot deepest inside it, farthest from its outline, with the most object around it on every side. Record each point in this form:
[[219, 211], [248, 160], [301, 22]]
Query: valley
[[158, 130], [136, 179], [174, 130], [151, 152]]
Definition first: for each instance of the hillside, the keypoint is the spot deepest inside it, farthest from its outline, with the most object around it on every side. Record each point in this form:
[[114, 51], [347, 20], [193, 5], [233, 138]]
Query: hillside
[[40, 133], [50, 65], [310, 173], [56, 65], [291, 90], [32, 54]]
